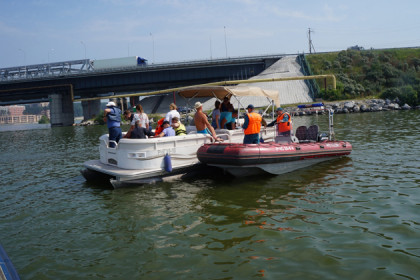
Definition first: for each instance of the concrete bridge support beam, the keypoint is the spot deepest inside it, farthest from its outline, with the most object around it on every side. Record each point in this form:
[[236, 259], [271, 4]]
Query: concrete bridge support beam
[[91, 109], [121, 103], [134, 100], [62, 112]]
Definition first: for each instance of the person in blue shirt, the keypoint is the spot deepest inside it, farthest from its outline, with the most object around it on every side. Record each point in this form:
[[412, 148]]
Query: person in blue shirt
[[232, 124], [227, 119], [112, 116], [167, 130]]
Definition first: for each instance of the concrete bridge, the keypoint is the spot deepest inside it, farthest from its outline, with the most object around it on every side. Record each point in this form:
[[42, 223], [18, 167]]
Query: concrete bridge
[[63, 83]]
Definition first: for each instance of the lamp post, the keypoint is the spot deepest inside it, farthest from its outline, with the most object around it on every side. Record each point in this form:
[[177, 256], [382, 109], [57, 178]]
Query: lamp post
[[128, 47], [49, 54], [81, 42], [24, 56], [153, 45], [224, 27], [211, 51]]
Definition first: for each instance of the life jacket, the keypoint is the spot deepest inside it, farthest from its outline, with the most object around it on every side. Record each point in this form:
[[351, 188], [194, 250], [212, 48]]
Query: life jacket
[[284, 126], [180, 130], [114, 117], [254, 124], [159, 127]]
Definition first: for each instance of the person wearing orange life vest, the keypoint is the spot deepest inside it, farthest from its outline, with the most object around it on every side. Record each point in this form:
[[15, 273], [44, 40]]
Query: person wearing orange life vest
[[283, 121], [159, 127], [252, 126]]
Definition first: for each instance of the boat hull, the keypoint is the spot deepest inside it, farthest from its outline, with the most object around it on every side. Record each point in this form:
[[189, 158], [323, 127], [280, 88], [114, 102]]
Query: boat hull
[[143, 160], [7, 270], [274, 158]]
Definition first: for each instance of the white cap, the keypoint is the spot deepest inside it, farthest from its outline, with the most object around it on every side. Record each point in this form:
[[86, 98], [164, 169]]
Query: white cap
[[110, 103], [198, 105]]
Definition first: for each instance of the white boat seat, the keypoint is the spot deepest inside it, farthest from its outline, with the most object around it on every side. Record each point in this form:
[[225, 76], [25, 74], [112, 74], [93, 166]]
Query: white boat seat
[[222, 131]]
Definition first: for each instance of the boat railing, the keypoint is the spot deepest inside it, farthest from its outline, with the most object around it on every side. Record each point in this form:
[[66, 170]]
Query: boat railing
[[112, 144]]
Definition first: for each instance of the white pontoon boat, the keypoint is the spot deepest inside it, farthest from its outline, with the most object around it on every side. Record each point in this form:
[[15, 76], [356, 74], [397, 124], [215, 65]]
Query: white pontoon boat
[[148, 160]]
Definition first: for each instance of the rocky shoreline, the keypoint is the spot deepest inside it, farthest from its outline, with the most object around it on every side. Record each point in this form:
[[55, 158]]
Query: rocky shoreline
[[358, 106], [339, 107]]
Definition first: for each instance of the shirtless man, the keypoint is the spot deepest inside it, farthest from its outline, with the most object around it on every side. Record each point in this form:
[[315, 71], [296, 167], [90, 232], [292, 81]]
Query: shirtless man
[[202, 124]]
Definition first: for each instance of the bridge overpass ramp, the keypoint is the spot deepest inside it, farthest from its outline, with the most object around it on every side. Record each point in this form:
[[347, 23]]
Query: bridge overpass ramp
[[290, 92]]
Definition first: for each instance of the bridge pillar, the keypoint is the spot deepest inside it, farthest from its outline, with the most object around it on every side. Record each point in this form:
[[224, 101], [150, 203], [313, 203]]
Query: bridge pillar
[[91, 109], [121, 103], [61, 106], [134, 100]]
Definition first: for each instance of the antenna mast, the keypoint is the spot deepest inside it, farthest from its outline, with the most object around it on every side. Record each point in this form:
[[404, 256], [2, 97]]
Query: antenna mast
[[311, 46]]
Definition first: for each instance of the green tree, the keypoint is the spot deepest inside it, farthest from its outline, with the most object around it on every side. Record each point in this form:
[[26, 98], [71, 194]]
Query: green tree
[[43, 120], [409, 95], [371, 72], [100, 118]]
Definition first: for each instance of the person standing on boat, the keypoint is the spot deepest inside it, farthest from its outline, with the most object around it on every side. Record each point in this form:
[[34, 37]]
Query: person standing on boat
[[112, 116], [224, 107], [226, 117], [140, 116], [178, 127], [283, 121], [172, 113], [215, 115], [201, 122], [252, 126]]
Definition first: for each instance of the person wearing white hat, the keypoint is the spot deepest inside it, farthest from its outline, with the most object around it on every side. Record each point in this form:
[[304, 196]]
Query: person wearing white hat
[[201, 122], [112, 116]]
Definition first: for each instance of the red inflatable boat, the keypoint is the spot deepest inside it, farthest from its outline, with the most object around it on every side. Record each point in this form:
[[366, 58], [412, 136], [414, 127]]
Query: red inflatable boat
[[274, 158]]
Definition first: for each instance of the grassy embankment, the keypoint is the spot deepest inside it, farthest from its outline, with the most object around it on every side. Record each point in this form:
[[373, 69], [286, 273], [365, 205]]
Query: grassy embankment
[[391, 73]]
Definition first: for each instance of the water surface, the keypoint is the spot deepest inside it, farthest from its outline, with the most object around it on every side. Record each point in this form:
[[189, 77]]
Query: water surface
[[355, 217]]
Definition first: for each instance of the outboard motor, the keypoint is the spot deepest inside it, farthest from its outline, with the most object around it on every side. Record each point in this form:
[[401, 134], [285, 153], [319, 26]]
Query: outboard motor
[[322, 136]]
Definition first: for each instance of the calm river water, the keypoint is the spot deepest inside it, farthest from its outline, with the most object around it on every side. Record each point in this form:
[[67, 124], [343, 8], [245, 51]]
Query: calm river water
[[352, 218]]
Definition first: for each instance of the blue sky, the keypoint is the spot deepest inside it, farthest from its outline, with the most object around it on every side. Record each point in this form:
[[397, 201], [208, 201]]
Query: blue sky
[[41, 31]]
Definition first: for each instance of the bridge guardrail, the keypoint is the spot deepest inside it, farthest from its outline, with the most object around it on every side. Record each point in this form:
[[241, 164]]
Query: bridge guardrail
[[84, 66]]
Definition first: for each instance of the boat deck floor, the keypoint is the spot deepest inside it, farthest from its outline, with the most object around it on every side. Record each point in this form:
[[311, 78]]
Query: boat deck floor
[[121, 173], [133, 174]]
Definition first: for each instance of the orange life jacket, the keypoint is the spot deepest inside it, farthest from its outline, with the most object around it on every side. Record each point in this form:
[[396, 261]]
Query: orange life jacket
[[254, 124], [284, 126], [159, 127]]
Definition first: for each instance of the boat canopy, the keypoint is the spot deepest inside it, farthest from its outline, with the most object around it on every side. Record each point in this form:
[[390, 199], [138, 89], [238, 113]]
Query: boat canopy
[[220, 92]]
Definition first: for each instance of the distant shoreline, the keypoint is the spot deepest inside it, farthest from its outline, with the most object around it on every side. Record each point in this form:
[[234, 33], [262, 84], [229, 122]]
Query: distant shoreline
[[352, 106]]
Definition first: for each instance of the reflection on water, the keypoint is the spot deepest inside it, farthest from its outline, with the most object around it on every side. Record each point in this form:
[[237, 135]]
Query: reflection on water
[[16, 127], [354, 217]]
